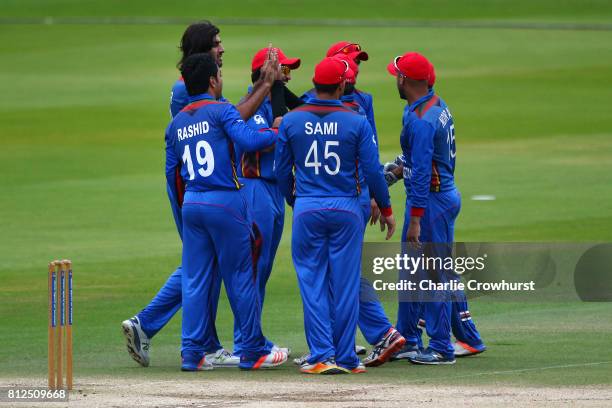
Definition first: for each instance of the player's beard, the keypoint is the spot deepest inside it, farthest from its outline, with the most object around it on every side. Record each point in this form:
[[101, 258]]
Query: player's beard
[[349, 88], [401, 92]]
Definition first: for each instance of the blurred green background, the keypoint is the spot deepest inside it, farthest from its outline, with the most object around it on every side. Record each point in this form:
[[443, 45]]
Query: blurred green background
[[84, 109]]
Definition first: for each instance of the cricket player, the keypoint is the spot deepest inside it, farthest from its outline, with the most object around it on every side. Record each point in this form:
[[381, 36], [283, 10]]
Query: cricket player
[[373, 322], [140, 329], [432, 200], [327, 144], [255, 173], [217, 224], [354, 52], [468, 341]]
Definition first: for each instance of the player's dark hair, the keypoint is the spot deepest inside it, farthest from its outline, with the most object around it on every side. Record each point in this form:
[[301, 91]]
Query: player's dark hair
[[326, 89], [197, 70], [198, 37], [255, 75]]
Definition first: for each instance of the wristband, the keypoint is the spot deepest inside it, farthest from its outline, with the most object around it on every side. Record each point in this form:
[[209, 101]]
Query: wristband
[[387, 211], [417, 212]]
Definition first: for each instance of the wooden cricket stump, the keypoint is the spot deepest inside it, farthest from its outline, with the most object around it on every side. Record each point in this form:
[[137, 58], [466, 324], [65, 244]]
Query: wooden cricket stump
[[60, 324]]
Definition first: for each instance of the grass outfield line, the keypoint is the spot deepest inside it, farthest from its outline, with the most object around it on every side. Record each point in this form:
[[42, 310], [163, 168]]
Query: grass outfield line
[[569, 11], [324, 22]]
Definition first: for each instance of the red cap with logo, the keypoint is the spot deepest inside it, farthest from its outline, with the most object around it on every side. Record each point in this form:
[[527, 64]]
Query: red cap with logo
[[261, 56], [411, 65], [330, 71], [352, 50], [351, 78], [351, 74]]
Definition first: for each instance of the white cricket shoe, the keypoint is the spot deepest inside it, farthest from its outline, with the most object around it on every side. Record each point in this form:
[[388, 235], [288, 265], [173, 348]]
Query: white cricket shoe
[[286, 350], [223, 359], [137, 341], [301, 360]]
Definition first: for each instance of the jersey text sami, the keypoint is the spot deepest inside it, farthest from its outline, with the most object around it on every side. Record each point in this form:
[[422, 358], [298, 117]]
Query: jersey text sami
[[325, 128]]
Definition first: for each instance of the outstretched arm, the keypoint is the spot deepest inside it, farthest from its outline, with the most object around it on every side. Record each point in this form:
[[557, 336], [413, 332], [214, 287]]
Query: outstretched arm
[[240, 133]]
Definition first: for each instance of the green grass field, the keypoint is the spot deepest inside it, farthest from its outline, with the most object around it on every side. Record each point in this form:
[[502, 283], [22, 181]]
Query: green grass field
[[82, 117]]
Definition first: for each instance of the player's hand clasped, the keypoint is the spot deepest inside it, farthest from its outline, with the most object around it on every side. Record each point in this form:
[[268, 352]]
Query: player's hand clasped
[[394, 171]]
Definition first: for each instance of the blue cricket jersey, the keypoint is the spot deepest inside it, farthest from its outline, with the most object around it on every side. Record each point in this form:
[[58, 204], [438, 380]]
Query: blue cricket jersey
[[258, 164], [201, 138], [351, 102], [357, 97], [428, 147], [179, 98], [328, 144]]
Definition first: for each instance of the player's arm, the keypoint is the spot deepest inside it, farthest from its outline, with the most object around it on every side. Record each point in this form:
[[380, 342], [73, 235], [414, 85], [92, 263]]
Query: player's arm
[[270, 72], [277, 99], [259, 123], [249, 104], [421, 158], [283, 166], [292, 100], [369, 112], [373, 172], [240, 133], [174, 182]]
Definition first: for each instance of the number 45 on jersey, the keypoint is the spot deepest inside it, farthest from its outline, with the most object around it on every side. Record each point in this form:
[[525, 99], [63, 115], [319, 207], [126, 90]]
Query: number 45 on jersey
[[312, 158]]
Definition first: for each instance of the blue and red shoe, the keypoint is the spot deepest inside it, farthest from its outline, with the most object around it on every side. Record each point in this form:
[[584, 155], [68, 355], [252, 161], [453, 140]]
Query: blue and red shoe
[[192, 361], [465, 350], [327, 367], [274, 359], [432, 357], [391, 343]]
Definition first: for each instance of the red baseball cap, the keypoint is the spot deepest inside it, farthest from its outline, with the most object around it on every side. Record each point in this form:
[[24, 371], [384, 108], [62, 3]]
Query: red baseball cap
[[352, 64], [411, 65], [261, 56], [330, 71], [432, 76], [351, 74], [350, 77], [352, 50]]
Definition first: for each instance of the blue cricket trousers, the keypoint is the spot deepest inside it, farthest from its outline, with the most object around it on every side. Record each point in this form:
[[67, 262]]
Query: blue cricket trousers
[[437, 226], [217, 232], [373, 321], [326, 250], [267, 207]]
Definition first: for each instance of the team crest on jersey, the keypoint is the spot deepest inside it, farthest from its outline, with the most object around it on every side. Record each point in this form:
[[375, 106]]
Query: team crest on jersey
[[259, 120]]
